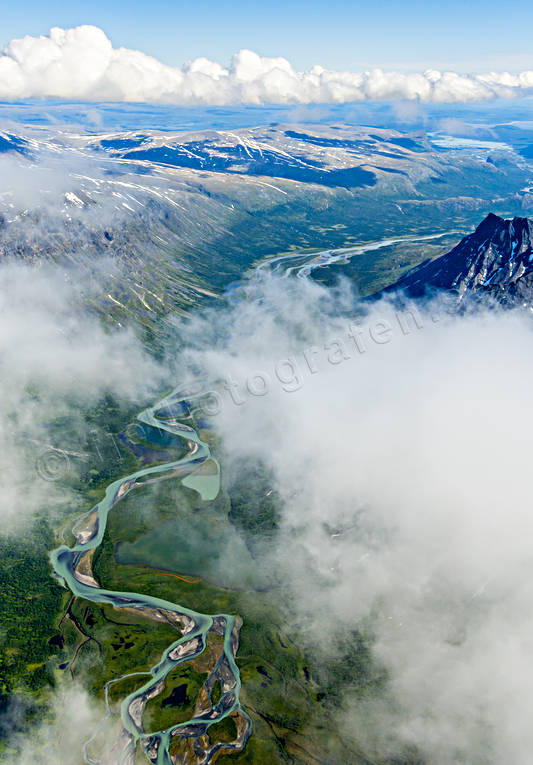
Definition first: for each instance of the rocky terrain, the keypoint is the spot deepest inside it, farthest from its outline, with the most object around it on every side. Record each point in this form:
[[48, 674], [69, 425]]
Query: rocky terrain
[[496, 260]]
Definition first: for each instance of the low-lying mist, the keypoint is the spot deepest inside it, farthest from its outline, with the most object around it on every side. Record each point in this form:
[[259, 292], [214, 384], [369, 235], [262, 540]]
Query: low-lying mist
[[59, 739], [400, 443], [57, 361]]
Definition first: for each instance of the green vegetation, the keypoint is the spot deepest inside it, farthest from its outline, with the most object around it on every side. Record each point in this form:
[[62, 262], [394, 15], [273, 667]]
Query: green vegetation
[[374, 270], [28, 607], [115, 643], [177, 702], [225, 730], [30, 600], [254, 505]]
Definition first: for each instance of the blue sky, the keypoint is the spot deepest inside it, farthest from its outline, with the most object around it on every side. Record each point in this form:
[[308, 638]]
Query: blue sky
[[338, 34]]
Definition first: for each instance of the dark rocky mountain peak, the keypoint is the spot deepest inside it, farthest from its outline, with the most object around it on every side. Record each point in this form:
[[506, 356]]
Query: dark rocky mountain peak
[[496, 259]]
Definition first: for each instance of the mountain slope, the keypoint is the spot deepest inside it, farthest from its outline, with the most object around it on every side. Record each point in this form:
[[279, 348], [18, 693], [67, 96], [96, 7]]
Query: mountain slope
[[496, 259]]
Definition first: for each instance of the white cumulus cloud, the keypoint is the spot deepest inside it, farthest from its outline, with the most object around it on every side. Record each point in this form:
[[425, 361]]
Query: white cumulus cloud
[[81, 63]]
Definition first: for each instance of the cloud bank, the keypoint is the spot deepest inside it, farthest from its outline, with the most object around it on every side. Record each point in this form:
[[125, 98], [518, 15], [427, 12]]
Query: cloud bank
[[399, 446], [81, 64], [57, 361]]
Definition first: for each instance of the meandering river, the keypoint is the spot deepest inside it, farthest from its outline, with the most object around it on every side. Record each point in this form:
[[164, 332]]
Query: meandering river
[[198, 470]]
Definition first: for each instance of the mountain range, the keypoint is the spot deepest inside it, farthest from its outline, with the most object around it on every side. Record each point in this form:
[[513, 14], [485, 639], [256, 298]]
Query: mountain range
[[167, 219]]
